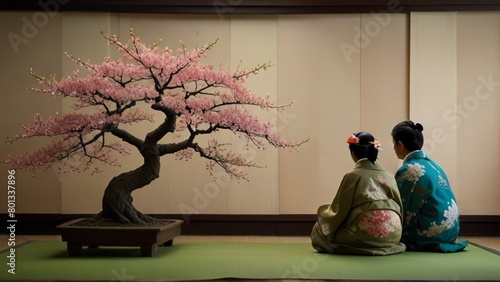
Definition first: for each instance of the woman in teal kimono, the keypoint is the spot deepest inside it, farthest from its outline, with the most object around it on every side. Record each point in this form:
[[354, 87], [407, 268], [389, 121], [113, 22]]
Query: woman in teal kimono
[[431, 220], [365, 215]]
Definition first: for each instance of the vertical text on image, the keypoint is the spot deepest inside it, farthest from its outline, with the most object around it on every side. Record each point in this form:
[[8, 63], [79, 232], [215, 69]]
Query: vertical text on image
[[11, 220]]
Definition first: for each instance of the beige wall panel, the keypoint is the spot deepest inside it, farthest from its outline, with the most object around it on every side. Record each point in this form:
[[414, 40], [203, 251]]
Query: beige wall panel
[[433, 85], [316, 71], [29, 40], [477, 112], [384, 79], [253, 42]]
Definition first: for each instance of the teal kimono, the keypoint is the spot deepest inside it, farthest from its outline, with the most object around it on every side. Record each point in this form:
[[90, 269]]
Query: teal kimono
[[431, 220], [364, 217]]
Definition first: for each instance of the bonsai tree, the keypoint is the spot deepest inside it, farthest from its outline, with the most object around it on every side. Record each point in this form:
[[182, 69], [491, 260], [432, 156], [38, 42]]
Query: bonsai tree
[[194, 99]]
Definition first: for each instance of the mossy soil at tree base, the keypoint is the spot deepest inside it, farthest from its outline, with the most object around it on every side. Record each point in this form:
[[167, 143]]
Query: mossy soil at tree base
[[98, 221]]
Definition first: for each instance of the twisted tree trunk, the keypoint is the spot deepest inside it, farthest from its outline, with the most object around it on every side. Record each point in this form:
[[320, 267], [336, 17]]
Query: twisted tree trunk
[[117, 200]]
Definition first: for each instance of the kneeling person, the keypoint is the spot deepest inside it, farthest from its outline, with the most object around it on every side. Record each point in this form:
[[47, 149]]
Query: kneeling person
[[365, 216]]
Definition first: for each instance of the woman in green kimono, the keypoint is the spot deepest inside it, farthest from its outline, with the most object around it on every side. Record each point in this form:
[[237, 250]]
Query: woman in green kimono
[[365, 215], [431, 221]]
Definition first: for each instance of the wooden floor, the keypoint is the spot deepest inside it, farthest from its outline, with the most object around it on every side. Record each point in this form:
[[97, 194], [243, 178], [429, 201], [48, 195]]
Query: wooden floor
[[490, 242]]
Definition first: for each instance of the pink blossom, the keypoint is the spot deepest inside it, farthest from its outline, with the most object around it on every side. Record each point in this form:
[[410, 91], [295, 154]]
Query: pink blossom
[[379, 223], [203, 99]]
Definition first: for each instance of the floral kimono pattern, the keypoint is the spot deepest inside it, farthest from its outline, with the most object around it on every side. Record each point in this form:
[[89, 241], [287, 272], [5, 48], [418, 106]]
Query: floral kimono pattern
[[431, 220], [364, 217]]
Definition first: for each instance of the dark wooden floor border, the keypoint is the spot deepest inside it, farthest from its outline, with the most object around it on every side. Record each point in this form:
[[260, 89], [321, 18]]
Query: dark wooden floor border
[[250, 6], [225, 224]]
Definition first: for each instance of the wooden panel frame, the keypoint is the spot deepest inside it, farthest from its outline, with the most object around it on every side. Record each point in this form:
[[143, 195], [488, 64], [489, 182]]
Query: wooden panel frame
[[240, 224], [249, 6]]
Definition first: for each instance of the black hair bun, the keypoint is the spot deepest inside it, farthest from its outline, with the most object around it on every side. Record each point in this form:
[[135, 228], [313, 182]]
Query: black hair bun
[[419, 127]]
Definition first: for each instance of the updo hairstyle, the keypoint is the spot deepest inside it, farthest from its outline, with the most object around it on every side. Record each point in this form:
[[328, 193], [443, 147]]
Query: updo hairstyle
[[410, 134], [365, 148]]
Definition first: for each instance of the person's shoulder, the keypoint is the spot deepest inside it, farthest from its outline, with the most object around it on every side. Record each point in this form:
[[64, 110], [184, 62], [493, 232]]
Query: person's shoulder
[[386, 176], [361, 174], [416, 157], [379, 167], [405, 165], [385, 172], [354, 174]]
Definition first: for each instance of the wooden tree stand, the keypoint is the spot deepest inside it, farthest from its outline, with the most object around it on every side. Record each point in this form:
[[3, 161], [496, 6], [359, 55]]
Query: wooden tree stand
[[147, 238]]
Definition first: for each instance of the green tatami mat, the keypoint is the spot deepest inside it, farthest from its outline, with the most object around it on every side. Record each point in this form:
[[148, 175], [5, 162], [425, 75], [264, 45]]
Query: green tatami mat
[[205, 261]]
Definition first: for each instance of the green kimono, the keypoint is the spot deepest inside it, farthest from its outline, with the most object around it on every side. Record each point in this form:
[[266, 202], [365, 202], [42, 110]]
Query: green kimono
[[364, 217]]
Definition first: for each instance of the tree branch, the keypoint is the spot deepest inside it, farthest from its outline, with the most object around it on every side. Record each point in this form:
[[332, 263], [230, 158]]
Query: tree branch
[[175, 147], [127, 137], [165, 127]]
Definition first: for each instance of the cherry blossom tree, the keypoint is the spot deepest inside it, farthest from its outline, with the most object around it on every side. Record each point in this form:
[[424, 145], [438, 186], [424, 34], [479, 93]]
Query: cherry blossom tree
[[194, 100]]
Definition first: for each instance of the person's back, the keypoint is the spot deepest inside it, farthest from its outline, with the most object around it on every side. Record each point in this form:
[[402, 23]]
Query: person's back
[[431, 220], [374, 219], [365, 216]]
